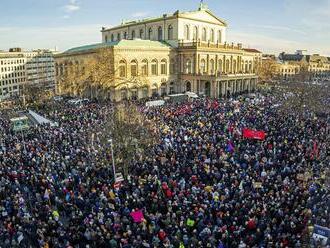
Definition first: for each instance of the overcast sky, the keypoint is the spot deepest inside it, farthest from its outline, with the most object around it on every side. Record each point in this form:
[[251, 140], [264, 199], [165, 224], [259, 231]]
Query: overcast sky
[[269, 25]]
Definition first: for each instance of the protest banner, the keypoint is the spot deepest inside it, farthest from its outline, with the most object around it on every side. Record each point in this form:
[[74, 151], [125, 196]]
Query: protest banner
[[257, 185], [322, 234], [253, 134]]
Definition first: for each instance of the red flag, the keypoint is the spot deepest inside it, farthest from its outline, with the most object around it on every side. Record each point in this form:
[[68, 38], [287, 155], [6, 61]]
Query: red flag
[[253, 134]]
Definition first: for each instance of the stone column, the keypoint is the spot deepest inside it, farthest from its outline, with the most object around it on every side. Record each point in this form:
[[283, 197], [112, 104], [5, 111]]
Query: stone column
[[198, 86], [213, 89], [195, 64]]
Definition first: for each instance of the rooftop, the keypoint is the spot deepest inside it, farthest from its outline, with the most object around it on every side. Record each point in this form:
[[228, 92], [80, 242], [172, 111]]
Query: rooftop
[[251, 50], [202, 7], [137, 43]]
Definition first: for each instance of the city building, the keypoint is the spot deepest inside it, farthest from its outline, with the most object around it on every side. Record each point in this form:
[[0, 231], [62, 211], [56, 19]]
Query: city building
[[20, 68], [174, 53], [316, 65], [285, 70]]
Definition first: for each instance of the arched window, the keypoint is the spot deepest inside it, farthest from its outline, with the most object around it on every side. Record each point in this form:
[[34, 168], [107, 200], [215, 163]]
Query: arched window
[[133, 34], [219, 36], [204, 36], [227, 65], [172, 91], [250, 66], [212, 66], [234, 67], [212, 35], [170, 32], [203, 66], [220, 66], [122, 68], [172, 66], [118, 37], [163, 67], [112, 38], [188, 86], [106, 39], [134, 68], [141, 33], [150, 34], [188, 66], [195, 34], [125, 36], [154, 67], [186, 32], [144, 68], [163, 89], [160, 33], [123, 94]]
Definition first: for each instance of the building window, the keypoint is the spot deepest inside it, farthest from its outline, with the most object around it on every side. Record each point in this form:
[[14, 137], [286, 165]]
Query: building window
[[227, 65], [186, 32], [203, 66], [144, 68], [125, 36], [195, 34], [134, 68], [172, 66], [204, 34], [123, 94], [219, 36], [122, 68], [212, 66], [141, 33], [170, 32], [172, 88], [160, 33], [145, 92], [150, 34], [106, 39], [154, 67], [188, 66], [163, 67], [220, 65], [118, 37], [212, 35], [133, 34]]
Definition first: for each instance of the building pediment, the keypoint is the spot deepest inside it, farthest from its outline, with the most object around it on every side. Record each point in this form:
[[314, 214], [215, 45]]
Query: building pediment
[[203, 16]]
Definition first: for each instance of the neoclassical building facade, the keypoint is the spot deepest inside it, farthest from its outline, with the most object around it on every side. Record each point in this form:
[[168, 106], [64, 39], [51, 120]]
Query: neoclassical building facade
[[175, 53]]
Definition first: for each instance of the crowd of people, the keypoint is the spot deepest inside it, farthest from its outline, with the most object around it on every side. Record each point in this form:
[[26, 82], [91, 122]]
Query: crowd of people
[[203, 185]]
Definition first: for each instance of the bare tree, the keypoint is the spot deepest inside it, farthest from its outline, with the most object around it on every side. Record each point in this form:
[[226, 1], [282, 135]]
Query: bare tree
[[132, 134], [266, 70]]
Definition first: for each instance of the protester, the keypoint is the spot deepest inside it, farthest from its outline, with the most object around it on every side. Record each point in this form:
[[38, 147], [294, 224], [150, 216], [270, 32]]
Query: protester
[[204, 185]]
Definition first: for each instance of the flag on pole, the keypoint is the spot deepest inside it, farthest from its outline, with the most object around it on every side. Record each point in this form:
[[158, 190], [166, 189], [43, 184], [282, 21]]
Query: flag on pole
[[46, 195], [230, 147]]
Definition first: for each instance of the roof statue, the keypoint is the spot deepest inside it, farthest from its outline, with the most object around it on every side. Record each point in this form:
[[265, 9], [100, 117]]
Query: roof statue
[[203, 6]]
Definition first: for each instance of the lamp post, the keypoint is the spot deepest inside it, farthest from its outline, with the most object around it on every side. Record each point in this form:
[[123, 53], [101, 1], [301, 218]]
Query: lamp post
[[113, 159]]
